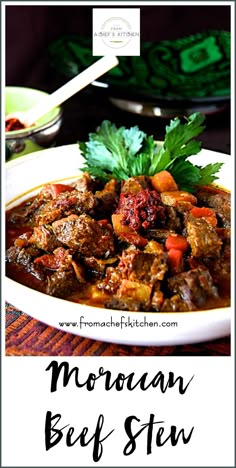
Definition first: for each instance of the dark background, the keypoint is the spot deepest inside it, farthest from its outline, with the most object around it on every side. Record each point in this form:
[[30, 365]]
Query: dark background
[[30, 30]]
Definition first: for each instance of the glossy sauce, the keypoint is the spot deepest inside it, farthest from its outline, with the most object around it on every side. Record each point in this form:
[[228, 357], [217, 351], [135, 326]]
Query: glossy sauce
[[87, 294]]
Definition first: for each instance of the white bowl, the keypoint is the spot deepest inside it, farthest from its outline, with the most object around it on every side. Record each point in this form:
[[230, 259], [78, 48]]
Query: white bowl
[[24, 177]]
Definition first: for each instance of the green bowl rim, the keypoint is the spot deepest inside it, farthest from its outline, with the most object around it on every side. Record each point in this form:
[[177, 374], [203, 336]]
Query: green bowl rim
[[37, 128], [31, 130]]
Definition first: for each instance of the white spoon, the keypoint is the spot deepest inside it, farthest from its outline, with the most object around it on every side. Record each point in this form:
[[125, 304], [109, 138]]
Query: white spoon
[[77, 83]]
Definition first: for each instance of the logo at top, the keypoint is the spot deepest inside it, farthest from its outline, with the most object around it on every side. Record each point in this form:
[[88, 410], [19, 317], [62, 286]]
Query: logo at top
[[116, 32]]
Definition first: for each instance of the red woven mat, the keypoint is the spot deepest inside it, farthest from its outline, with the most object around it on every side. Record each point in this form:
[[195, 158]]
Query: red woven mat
[[26, 336]]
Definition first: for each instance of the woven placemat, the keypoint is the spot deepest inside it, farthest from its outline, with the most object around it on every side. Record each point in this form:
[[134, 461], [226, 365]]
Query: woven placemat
[[26, 336]]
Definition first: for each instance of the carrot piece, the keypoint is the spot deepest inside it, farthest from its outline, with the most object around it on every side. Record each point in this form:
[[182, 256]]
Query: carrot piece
[[118, 226], [175, 261], [206, 213], [198, 212], [175, 197], [55, 189], [163, 182], [126, 233], [133, 238], [176, 241]]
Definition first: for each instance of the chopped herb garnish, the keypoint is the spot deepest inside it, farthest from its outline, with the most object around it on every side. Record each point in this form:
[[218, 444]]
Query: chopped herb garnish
[[121, 153]]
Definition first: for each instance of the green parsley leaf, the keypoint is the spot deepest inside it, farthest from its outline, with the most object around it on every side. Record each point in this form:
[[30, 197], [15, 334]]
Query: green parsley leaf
[[179, 135], [121, 153], [208, 173], [133, 138], [186, 175]]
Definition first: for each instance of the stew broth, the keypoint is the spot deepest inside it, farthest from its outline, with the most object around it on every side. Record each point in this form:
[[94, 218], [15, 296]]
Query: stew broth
[[106, 246]]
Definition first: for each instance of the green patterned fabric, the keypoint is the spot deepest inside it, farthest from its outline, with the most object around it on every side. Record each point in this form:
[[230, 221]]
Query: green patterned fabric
[[197, 66]]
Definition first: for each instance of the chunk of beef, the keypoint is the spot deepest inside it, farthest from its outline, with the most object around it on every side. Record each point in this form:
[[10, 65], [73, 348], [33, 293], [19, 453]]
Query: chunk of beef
[[107, 198], [24, 214], [84, 234], [51, 191], [173, 220], [133, 295], [94, 266], [112, 280], [160, 235], [119, 303], [157, 297], [220, 202], [85, 183], [98, 266], [44, 238], [68, 273], [135, 282], [25, 256], [178, 199], [62, 283], [60, 259], [23, 239], [193, 286], [171, 223], [126, 233], [220, 272], [220, 268], [224, 234], [144, 266], [66, 203], [176, 304], [79, 271], [135, 184], [203, 238]]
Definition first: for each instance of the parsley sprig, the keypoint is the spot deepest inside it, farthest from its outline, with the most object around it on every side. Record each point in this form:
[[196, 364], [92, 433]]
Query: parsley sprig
[[121, 153]]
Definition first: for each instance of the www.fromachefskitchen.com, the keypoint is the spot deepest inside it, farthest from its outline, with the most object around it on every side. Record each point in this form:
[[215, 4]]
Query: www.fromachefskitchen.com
[[124, 322]]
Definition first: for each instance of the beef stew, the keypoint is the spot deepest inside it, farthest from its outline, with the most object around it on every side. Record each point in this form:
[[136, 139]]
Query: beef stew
[[136, 245]]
